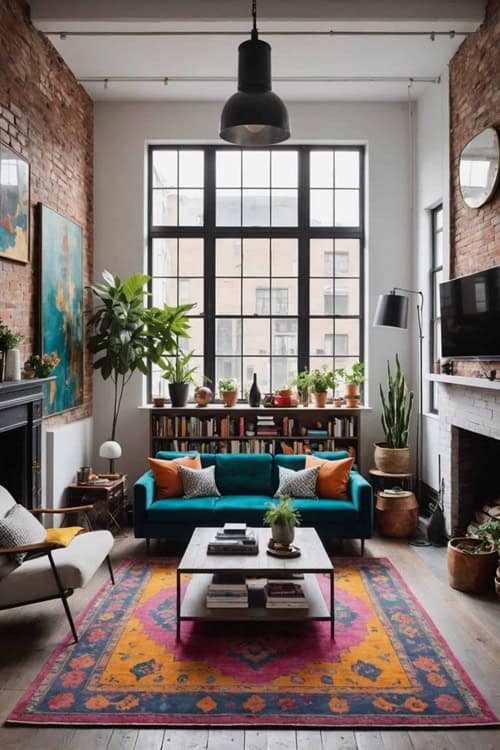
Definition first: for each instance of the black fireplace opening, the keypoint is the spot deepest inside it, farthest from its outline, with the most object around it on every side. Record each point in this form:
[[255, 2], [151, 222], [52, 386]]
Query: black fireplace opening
[[478, 477], [14, 464]]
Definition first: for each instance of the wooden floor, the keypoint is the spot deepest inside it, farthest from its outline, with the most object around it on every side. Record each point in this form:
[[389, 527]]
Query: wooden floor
[[470, 625]]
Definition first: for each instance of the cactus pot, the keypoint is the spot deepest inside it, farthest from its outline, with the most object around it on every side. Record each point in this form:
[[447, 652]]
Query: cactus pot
[[392, 460]]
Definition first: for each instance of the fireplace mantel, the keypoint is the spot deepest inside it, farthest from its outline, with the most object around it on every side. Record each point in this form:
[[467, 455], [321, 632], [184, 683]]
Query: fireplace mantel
[[491, 385]]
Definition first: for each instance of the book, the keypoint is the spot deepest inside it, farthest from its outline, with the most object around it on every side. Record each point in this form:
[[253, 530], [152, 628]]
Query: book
[[235, 547], [234, 528], [299, 604], [284, 589], [225, 605]]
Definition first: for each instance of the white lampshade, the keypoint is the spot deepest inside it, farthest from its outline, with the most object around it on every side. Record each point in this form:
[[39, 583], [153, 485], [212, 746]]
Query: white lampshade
[[110, 449]]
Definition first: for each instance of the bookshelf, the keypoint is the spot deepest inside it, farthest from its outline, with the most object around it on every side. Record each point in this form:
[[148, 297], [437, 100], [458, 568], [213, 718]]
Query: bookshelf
[[246, 429]]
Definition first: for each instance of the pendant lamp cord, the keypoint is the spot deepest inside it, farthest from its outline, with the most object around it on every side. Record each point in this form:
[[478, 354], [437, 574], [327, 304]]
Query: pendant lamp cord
[[254, 17]]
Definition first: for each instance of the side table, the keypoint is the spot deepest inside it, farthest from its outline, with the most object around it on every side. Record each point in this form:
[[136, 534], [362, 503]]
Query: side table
[[380, 480], [109, 497]]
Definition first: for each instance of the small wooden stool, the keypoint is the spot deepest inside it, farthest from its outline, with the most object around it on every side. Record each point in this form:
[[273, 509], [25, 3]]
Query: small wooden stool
[[397, 514]]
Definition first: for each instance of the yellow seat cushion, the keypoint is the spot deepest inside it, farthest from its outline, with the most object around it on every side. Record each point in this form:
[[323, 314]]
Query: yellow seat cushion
[[63, 536]]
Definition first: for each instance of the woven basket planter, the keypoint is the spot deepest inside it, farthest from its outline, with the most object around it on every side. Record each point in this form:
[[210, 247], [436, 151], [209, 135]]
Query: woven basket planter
[[392, 460]]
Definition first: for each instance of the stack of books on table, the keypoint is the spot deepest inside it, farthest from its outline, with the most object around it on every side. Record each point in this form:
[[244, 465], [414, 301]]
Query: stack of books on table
[[227, 591], [233, 539], [285, 595]]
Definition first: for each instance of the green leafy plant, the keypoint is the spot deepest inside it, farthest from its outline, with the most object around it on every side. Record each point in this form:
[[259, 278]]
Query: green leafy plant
[[282, 513], [178, 369], [321, 380], [489, 533], [355, 376], [227, 384], [302, 382], [42, 366], [8, 338], [125, 335], [397, 407]]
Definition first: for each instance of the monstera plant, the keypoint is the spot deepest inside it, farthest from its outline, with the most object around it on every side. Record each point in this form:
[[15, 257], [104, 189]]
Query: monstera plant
[[125, 335]]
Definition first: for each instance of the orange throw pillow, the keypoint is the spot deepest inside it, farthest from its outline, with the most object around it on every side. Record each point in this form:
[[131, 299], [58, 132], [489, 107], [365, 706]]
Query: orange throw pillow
[[333, 476], [167, 480]]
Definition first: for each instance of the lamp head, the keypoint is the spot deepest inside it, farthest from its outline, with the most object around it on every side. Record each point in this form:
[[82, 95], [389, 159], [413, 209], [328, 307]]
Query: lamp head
[[392, 311], [110, 449]]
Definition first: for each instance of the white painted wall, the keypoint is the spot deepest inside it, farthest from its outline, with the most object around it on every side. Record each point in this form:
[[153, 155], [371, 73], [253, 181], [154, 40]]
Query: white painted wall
[[64, 449], [431, 188], [122, 131]]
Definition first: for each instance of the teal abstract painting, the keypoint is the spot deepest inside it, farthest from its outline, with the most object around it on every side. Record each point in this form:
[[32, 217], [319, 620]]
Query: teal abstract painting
[[61, 308], [14, 205]]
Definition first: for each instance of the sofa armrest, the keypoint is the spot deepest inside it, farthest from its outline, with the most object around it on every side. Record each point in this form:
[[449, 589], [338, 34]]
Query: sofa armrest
[[144, 495], [361, 494]]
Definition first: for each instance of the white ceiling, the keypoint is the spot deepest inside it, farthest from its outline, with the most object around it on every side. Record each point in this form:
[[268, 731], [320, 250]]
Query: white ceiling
[[137, 56]]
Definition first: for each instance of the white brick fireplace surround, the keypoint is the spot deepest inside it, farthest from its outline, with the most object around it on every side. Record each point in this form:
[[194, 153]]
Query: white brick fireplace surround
[[471, 404]]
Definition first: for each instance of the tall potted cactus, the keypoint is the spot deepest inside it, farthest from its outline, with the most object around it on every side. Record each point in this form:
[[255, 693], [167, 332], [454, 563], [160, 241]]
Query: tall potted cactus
[[393, 455]]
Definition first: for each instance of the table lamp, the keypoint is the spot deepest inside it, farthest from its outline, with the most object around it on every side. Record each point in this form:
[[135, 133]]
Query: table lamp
[[111, 450]]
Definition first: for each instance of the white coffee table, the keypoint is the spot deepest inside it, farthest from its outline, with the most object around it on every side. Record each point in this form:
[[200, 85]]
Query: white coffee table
[[201, 568]]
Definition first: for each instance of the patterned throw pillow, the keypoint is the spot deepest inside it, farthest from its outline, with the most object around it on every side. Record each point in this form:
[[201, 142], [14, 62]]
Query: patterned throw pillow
[[198, 482], [297, 483], [19, 527]]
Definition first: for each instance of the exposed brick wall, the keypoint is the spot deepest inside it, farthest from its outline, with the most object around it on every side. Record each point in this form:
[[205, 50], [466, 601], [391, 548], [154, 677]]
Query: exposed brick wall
[[474, 105], [47, 117]]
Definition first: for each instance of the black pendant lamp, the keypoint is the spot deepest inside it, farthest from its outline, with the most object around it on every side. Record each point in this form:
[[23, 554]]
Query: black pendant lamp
[[255, 115]]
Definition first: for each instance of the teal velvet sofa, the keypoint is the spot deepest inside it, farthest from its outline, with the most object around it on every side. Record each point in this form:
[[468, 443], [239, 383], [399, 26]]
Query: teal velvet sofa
[[246, 483]]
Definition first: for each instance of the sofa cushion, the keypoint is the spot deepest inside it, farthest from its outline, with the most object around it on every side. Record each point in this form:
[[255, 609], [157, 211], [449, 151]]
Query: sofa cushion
[[198, 483], [168, 482], [326, 512], [237, 474], [248, 509], [207, 459], [6, 501], [333, 477], [300, 483], [19, 527], [298, 462], [178, 510]]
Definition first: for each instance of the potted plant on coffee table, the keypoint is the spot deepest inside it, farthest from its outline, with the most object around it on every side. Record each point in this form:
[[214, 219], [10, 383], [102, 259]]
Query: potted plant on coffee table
[[472, 560], [393, 455], [352, 380], [320, 382], [228, 390], [282, 517], [179, 373]]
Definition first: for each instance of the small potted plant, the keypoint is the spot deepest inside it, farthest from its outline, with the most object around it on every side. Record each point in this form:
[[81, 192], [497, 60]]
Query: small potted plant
[[37, 366], [352, 380], [302, 383], [9, 354], [282, 517], [472, 560], [320, 382], [393, 455], [180, 375], [228, 390]]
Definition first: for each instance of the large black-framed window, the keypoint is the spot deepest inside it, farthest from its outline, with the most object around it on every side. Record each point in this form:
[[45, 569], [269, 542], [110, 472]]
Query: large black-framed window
[[436, 277], [269, 243]]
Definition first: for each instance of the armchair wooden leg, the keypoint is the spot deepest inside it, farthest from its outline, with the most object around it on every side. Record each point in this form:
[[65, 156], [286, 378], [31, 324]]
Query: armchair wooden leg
[[62, 594], [110, 568], [362, 547]]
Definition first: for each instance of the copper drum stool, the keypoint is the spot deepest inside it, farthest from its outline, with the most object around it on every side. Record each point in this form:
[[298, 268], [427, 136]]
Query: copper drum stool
[[397, 513]]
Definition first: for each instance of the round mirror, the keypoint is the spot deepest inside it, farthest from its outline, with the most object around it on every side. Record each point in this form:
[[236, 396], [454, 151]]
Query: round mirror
[[479, 168]]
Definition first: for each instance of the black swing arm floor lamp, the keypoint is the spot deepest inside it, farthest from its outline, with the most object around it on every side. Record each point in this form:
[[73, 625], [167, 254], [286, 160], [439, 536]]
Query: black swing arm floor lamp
[[392, 311]]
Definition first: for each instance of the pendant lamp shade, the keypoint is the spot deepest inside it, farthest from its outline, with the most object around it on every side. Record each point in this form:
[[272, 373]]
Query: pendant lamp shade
[[392, 311], [255, 115]]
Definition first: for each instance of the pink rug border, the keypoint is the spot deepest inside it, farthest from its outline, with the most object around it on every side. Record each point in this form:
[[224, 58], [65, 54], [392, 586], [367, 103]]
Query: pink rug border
[[489, 720]]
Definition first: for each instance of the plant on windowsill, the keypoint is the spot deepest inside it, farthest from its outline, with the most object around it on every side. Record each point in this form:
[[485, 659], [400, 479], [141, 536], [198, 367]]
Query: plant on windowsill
[[126, 336], [472, 560], [179, 373], [352, 380], [393, 455], [320, 382], [228, 391], [302, 383], [282, 517]]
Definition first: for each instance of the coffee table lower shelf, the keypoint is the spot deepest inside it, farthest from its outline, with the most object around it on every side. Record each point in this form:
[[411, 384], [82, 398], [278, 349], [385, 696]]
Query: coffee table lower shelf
[[193, 605]]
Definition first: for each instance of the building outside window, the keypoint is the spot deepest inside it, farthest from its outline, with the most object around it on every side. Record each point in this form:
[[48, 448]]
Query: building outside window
[[273, 264]]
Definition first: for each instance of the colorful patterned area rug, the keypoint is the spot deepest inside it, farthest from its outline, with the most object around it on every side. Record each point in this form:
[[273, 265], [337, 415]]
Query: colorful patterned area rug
[[388, 665]]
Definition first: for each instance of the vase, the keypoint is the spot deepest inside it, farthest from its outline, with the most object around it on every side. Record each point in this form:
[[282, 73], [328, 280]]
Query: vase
[[229, 397], [179, 393], [254, 395], [13, 365], [283, 533]]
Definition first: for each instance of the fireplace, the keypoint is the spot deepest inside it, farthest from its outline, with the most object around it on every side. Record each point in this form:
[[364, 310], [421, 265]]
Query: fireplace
[[20, 439], [478, 475]]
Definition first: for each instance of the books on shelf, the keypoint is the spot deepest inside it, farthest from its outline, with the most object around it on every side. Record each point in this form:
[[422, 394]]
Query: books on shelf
[[285, 595]]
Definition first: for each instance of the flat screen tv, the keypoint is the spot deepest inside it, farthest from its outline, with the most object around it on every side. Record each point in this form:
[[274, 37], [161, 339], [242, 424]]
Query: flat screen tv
[[470, 316]]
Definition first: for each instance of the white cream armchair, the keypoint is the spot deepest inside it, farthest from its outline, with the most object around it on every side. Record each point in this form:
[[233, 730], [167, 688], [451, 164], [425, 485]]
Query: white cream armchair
[[50, 571]]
